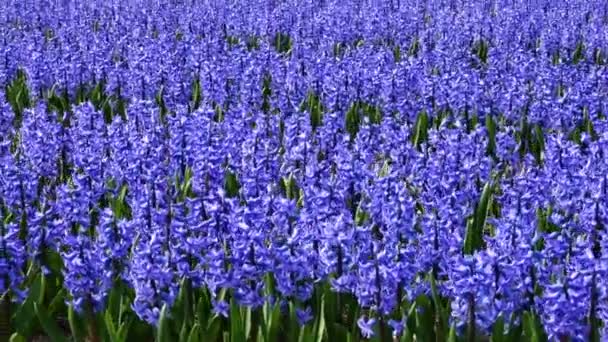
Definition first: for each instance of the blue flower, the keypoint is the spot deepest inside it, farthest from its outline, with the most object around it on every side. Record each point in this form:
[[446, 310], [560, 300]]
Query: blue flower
[[221, 307], [304, 315], [366, 325]]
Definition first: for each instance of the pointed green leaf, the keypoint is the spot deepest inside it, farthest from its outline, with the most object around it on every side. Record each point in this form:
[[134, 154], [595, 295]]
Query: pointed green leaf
[[274, 323], [17, 338], [213, 330], [110, 327], [443, 318], [452, 337], [194, 336], [320, 332], [498, 330], [231, 184], [491, 128], [123, 331], [77, 328], [163, 334], [247, 322], [48, 324], [237, 331], [421, 127], [474, 232], [530, 327]]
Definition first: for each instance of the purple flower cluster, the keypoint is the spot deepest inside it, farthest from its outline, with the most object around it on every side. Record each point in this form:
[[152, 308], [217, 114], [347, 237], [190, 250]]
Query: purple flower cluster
[[370, 147]]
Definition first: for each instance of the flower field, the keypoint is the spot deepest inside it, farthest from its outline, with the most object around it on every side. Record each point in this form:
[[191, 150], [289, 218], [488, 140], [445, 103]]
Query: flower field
[[304, 170]]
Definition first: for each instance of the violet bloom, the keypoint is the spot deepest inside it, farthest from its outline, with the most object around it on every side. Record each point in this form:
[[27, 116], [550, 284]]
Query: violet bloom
[[366, 326]]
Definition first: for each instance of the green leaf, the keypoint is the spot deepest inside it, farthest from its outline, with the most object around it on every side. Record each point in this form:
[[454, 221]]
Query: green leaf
[[203, 309], [160, 102], [219, 113], [411, 323], [352, 120], [452, 337], [579, 53], [214, 329], [232, 41], [338, 332], [58, 302], [110, 327], [266, 93], [397, 54], [407, 336], [414, 48], [331, 305], [97, 327], [237, 331], [56, 104], [273, 324], [480, 49], [293, 327], [315, 110], [515, 331], [491, 127], [185, 302], [498, 330], [537, 143], [231, 184], [530, 327], [440, 310], [356, 112], [53, 261], [5, 314], [122, 194], [24, 319], [17, 338], [320, 332], [474, 233], [424, 319], [163, 332], [196, 93], [338, 50], [123, 331], [290, 188], [96, 95], [307, 334], [247, 322], [48, 324], [421, 127], [113, 307], [375, 115], [184, 331], [194, 335], [77, 327], [598, 57], [121, 108], [253, 43], [140, 331], [282, 43]]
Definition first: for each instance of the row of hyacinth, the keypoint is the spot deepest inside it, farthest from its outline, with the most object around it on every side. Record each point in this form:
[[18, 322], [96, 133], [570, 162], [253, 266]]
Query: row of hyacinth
[[251, 154], [481, 57]]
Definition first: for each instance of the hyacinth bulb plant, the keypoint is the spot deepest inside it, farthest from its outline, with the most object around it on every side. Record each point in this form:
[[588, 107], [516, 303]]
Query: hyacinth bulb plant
[[310, 170]]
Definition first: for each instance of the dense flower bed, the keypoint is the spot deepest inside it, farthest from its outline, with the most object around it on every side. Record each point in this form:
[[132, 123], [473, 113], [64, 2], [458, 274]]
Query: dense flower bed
[[304, 170]]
